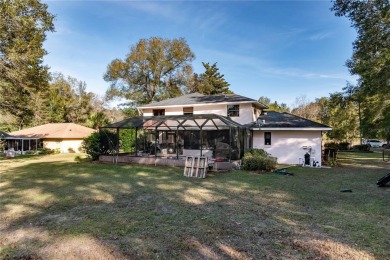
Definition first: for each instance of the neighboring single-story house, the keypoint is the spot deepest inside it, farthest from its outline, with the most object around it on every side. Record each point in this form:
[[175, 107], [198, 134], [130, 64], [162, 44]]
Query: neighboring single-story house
[[63, 136], [222, 127]]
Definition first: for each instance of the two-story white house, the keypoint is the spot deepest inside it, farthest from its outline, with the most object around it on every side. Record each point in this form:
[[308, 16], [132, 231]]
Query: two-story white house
[[222, 127]]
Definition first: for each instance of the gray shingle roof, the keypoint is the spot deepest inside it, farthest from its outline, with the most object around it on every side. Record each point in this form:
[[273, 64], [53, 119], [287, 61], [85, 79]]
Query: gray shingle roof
[[197, 98], [273, 119]]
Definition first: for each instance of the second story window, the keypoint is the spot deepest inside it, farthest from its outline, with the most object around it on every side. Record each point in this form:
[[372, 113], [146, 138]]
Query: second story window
[[233, 110], [159, 112], [188, 110]]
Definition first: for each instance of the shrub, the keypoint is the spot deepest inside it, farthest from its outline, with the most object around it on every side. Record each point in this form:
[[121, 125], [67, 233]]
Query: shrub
[[46, 151], [127, 140], [78, 159], [361, 147], [338, 146], [71, 150], [98, 143], [258, 160]]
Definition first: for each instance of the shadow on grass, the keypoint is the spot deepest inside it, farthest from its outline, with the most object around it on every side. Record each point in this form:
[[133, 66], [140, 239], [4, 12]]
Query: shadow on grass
[[108, 211]]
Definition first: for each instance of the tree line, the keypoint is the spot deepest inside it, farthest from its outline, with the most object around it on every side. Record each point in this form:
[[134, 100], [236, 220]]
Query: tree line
[[361, 110], [158, 68]]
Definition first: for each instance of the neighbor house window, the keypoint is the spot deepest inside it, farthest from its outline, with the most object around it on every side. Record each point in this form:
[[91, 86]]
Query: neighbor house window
[[159, 112], [267, 138], [233, 110], [188, 110]]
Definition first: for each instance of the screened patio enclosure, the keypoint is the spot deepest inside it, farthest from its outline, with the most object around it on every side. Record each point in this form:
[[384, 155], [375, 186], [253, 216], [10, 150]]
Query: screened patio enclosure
[[21, 144], [210, 135]]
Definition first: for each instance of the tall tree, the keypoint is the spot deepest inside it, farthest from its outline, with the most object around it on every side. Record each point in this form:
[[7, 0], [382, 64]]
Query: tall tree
[[68, 100], [343, 118], [304, 108], [23, 27], [371, 49], [152, 67], [370, 61], [97, 119], [275, 106], [210, 82]]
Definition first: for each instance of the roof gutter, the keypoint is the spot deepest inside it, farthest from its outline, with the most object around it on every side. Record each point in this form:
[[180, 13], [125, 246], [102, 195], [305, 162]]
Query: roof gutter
[[204, 104], [292, 128]]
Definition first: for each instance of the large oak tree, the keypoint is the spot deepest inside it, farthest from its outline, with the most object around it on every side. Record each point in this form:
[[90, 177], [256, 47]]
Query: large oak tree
[[154, 69]]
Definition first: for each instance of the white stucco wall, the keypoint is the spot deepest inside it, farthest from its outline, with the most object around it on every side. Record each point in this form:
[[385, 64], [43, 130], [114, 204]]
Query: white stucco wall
[[63, 144], [211, 109], [287, 145], [246, 111], [172, 111], [246, 114]]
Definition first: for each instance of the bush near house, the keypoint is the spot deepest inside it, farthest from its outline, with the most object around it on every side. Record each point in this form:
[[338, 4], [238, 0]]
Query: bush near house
[[258, 160], [98, 143], [338, 146], [361, 147], [45, 150]]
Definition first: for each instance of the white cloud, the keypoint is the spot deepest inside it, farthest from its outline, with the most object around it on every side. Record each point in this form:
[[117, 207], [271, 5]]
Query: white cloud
[[298, 73], [320, 36], [162, 9]]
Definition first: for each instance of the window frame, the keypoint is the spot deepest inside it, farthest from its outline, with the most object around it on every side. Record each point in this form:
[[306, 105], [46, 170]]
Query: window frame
[[158, 112], [190, 110], [233, 110], [267, 140]]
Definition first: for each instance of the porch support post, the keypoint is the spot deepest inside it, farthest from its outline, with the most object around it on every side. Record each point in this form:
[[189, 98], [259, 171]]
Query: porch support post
[[146, 133], [36, 144], [117, 140], [230, 143], [29, 144], [201, 142], [22, 145], [136, 142], [155, 143], [177, 147]]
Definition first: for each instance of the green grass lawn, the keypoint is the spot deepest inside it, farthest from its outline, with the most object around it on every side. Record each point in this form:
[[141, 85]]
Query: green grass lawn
[[54, 208]]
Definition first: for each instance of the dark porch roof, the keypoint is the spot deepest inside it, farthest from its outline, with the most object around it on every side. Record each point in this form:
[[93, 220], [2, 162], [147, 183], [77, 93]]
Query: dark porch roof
[[6, 136], [176, 122]]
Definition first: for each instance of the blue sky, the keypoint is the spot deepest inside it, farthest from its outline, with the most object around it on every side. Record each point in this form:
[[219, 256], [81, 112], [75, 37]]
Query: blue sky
[[278, 49]]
